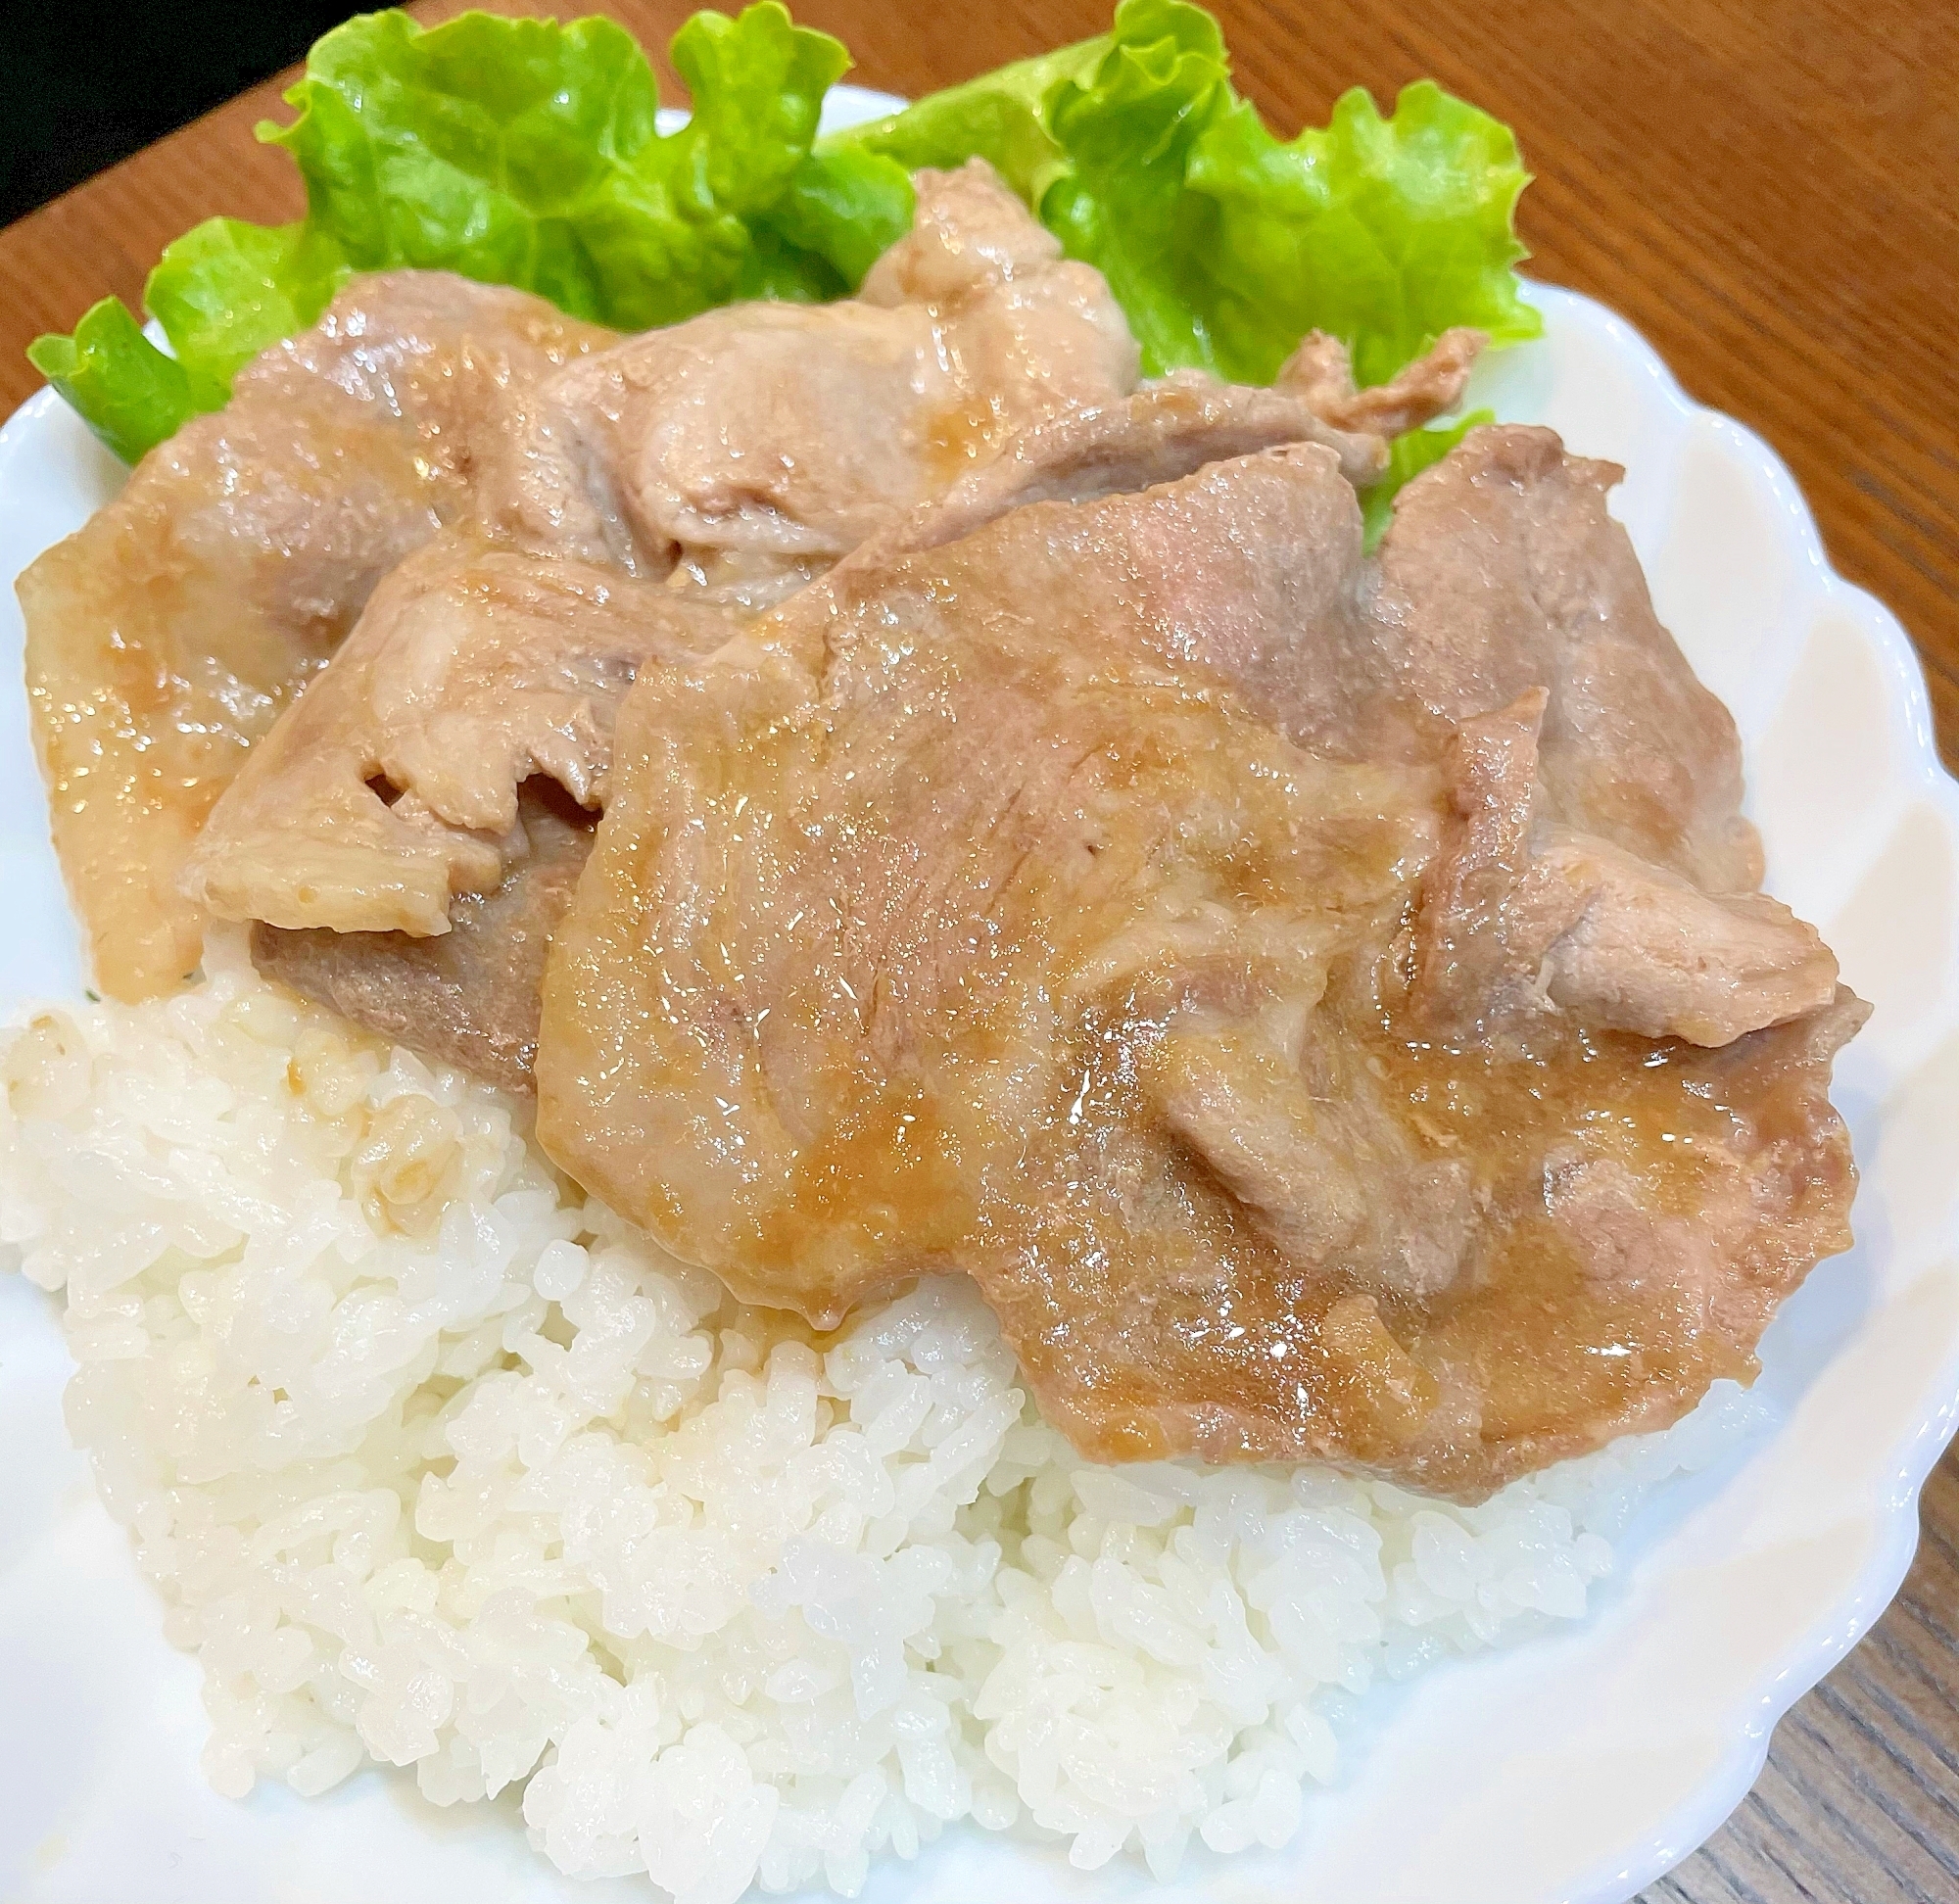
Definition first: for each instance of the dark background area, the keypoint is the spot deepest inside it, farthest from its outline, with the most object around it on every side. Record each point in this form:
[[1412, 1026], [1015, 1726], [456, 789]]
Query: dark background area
[[86, 83]]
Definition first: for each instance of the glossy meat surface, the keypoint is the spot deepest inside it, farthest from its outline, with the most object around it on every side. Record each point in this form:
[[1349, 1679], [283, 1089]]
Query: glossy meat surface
[[1059, 903], [1326, 1004], [391, 784], [758, 443], [468, 997], [166, 635], [1502, 572], [751, 446], [1522, 913]]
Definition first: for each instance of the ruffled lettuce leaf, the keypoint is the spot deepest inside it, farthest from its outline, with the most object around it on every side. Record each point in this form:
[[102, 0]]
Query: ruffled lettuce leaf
[[1131, 129], [1384, 232], [843, 209], [521, 152], [227, 289], [516, 151], [222, 293], [1224, 244], [132, 394], [1000, 116]]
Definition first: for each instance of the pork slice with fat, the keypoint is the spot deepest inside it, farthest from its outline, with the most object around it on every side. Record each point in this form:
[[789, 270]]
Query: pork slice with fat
[[1521, 915], [469, 996], [165, 637], [1319, 373], [1502, 572], [391, 785], [756, 444], [993, 919], [1597, 858], [753, 446]]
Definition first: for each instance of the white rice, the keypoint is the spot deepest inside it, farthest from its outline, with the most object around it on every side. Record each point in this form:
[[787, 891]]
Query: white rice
[[435, 1462]]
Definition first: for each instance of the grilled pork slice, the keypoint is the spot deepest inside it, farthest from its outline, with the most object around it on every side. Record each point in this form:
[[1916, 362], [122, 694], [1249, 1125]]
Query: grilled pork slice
[[408, 834], [1502, 572], [756, 443], [165, 637], [468, 997], [1319, 373], [1071, 902], [391, 785]]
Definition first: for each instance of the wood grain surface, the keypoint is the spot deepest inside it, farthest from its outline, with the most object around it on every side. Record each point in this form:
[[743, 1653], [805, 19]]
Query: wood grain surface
[[1767, 188]]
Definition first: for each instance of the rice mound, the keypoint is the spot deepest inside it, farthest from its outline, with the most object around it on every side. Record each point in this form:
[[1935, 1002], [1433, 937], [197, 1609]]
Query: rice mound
[[438, 1463]]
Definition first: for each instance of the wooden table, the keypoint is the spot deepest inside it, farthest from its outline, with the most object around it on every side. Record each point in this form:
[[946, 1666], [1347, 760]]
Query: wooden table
[[1767, 189]]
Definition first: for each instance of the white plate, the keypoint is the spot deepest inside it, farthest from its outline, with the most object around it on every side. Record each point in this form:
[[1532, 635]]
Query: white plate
[[1573, 1771]]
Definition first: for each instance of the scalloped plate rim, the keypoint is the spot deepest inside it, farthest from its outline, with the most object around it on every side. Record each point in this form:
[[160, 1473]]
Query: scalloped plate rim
[[1834, 1634]]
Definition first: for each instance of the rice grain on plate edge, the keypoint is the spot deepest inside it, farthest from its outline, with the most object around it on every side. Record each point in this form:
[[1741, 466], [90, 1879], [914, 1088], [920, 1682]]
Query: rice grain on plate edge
[[436, 1463]]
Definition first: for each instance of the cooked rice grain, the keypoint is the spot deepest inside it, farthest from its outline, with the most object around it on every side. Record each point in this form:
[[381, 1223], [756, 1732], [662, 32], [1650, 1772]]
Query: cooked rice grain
[[435, 1462]]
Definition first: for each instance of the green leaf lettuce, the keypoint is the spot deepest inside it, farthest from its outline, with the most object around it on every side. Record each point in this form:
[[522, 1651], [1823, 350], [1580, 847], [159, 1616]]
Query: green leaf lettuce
[[132, 394], [1224, 244]]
